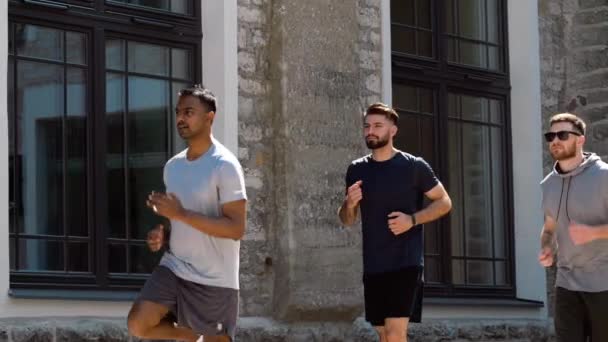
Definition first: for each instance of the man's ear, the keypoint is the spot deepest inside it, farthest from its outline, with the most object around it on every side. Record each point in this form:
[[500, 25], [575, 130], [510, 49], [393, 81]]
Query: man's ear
[[394, 129]]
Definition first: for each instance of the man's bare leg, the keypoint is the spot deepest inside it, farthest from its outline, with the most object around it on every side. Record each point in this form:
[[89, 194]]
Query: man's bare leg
[[381, 333], [396, 329], [216, 339], [146, 320]]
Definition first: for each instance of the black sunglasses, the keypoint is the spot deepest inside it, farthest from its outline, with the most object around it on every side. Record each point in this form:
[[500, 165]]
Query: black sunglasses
[[561, 135]]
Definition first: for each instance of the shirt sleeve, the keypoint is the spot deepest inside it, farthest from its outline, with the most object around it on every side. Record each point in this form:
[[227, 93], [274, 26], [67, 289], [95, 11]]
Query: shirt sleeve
[[425, 176], [349, 177], [231, 184]]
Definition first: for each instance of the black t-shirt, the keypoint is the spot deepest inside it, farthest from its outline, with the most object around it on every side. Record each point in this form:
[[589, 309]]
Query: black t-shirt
[[397, 184]]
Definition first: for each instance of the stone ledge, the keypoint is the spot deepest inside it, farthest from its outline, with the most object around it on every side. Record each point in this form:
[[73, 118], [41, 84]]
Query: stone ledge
[[268, 330]]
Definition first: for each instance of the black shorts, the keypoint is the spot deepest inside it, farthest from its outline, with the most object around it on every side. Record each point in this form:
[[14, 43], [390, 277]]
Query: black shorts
[[579, 315], [395, 294]]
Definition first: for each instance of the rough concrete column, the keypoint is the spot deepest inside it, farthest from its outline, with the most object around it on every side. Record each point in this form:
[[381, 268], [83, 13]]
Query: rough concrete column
[[325, 67]]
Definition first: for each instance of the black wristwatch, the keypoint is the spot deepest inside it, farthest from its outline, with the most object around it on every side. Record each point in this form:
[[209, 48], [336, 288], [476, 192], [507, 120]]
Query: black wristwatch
[[413, 220]]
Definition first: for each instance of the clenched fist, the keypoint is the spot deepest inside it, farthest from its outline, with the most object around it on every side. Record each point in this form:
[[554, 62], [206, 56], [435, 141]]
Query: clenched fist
[[354, 195]]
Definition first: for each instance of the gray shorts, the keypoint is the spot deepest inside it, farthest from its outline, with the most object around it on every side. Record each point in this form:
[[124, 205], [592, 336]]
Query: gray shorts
[[208, 310]]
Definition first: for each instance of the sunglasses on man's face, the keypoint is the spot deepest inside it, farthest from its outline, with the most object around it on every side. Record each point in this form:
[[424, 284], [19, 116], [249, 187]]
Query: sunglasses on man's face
[[561, 135]]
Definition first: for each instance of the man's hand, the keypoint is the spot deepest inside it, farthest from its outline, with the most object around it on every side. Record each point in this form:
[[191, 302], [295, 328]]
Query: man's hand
[[545, 257], [156, 238], [399, 222], [354, 195], [581, 233], [167, 205]]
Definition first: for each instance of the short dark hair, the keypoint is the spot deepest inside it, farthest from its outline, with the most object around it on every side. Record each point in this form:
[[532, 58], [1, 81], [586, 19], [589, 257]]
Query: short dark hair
[[380, 108], [576, 122], [203, 94]]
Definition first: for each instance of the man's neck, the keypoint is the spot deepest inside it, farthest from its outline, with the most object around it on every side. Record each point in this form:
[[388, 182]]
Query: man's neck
[[198, 146], [384, 153], [568, 165]]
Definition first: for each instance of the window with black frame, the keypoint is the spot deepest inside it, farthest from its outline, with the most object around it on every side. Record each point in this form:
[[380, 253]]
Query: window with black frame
[[451, 88], [91, 125]]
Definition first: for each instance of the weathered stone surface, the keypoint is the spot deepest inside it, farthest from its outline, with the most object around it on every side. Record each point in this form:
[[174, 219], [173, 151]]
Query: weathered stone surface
[[253, 329]]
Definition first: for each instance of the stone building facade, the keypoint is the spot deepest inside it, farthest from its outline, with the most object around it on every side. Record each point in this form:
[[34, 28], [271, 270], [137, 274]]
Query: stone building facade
[[304, 71]]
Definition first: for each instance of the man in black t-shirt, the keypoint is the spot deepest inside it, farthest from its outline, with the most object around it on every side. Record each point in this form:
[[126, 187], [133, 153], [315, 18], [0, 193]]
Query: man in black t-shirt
[[389, 187]]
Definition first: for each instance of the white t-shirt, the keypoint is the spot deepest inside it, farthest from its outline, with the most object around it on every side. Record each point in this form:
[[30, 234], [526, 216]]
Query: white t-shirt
[[203, 185]]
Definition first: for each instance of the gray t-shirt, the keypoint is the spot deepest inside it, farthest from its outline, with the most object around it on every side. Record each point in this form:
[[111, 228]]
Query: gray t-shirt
[[204, 185], [580, 195]]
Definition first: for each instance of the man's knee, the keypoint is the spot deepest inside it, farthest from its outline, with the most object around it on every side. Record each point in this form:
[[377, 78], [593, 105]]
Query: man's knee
[[136, 323], [395, 336]]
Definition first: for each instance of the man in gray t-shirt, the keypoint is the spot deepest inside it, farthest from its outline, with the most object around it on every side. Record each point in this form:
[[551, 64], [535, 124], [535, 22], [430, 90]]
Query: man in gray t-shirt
[[194, 290]]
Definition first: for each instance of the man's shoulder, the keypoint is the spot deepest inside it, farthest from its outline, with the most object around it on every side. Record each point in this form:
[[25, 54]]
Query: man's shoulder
[[549, 178], [180, 157], [361, 162], [222, 156]]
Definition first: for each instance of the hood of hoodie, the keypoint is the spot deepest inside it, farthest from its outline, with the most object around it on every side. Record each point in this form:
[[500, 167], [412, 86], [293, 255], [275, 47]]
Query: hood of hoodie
[[588, 160]]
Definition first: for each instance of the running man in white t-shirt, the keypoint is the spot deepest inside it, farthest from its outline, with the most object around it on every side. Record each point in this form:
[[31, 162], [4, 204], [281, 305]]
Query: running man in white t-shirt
[[194, 290]]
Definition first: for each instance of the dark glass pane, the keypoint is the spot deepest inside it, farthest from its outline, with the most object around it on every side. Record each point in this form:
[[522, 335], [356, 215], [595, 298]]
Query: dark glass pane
[[12, 153], [178, 143], [180, 64], [458, 272], [424, 13], [174, 6], [453, 106], [477, 190], [40, 109], [11, 36], [502, 277], [76, 44], [39, 42], [455, 188], [493, 23], [473, 54], [403, 39], [425, 43], [427, 140], [115, 54], [402, 11], [117, 258], [76, 168], [408, 135], [495, 111], [453, 51], [432, 270], [78, 257], [479, 272], [40, 255], [115, 168], [431, 238], [148, 59], [145, 175], [471, 19], [450, 22], [426, 101], [143, 260], [493, 58], [148, 114], [404, 97], [498, 193], [12, 250], [475, 108]]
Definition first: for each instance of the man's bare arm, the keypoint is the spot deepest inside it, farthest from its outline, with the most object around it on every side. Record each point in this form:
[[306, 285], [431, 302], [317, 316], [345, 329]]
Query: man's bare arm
[[230, 225], [547, 235], [440, 205]]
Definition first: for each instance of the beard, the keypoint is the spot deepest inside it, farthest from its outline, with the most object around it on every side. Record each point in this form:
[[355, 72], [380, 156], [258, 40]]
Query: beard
[[376, 144], [563, 153]]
